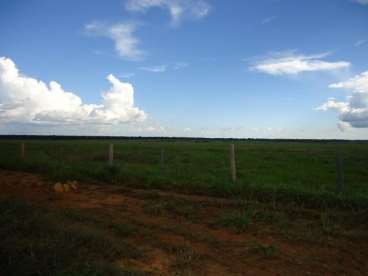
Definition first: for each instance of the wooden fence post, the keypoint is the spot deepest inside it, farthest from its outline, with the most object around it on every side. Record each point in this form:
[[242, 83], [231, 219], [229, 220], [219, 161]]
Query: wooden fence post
[[111, 154], [232, 163], [22, 150], [339, 173], [162, 159]]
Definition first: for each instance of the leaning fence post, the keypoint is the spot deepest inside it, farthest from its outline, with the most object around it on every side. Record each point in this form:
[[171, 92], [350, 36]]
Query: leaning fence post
[[339, 174], [111, 155], [162, 159], [22, 150], [232, 163]]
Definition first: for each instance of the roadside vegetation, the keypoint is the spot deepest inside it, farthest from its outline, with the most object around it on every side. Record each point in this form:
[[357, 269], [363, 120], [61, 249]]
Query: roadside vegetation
[[113, 230], [43, 241]]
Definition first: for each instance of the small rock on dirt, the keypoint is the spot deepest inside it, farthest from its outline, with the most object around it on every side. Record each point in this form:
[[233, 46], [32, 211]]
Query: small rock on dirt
[[58, 187]]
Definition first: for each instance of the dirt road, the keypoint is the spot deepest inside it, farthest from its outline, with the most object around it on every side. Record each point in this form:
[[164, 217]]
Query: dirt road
[[197, 235]]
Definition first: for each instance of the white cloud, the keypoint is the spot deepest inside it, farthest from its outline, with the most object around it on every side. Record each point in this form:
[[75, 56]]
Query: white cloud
[[358, 83], [178, 9], [335, 105], [354, 111], [363, 2], [27, 100], [290, 63], [268, 19], [164, 67], [155, 69], [126, 43], [360, 43]]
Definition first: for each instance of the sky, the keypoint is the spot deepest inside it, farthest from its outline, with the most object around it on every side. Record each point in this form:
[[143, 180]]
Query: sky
[[196, 68]]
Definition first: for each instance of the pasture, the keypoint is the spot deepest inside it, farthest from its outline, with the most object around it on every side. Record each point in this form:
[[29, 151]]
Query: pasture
[[287, 170]]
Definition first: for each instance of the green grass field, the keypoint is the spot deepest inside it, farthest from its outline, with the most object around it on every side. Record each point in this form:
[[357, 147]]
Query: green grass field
[[304, 172]]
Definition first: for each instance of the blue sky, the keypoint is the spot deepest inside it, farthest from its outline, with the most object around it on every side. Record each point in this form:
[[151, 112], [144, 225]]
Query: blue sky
[[265, 68]]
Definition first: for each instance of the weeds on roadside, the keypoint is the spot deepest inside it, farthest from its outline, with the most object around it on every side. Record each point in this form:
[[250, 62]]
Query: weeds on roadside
[[185, 258], [122, 229], [327, 224], [239, 220], [263, 250], [173, 207], [41, 241], [266, 216]]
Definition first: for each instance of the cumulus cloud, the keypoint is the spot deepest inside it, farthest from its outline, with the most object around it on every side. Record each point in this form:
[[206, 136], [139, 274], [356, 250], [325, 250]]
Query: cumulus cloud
[[27, 100], [123, 36], [354, 111], [290, 63], [358, 83], [335, 105], [178, 9]]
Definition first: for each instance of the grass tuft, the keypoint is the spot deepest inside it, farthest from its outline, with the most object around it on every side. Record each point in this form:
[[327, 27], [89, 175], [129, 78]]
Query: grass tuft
[[239, 220]]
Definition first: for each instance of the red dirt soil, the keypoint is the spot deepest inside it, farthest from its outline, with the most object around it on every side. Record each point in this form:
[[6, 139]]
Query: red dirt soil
[[214, 250]]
